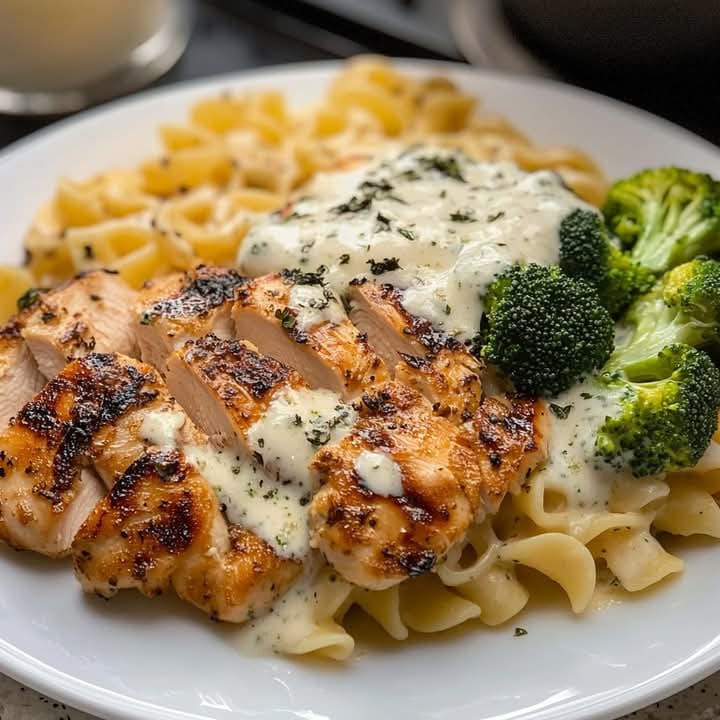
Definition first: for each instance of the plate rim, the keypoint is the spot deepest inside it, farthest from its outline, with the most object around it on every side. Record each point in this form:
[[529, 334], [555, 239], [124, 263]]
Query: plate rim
[[103, 702]]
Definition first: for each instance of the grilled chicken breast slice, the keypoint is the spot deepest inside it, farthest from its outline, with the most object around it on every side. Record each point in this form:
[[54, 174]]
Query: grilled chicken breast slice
[[437, 365], [20, 378], [226, 385], [90, 313], [161, 523], [512, 434], [44, 495], [237, 577], [174, 309], [161, 526], [396, 492], [294, 318]]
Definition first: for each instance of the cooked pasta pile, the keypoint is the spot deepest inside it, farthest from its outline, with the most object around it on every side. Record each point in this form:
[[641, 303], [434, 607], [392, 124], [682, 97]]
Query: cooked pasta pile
[[242, 156]]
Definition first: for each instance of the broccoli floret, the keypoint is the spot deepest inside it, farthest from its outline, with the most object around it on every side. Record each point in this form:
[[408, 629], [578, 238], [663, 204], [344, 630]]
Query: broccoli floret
[[683, 307], [588, 252], [665, 216], [544, 329], [666, 418]]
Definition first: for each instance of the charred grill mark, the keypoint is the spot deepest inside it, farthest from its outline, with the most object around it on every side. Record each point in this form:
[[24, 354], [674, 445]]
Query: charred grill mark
[[11, 330], [417, 562], [257, 373], [416, 362], [175, 524], [377, 437], [422, 330], [205, 289], [102, 391], [499, 428], [75, 335], [380, 403]]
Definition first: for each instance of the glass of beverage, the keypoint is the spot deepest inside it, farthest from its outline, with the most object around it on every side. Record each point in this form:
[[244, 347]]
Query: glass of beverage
[[59, 56]]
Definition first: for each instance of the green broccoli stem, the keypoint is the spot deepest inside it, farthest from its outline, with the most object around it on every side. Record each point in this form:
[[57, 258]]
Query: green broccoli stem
[[651, 335], [671, 238]]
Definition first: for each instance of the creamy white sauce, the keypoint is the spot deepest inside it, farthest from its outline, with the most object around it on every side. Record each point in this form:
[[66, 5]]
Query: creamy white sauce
[[256, 499], [450, 236], [161, 427], [272, 499], [298, 620], [296, 424], [379, 473], [572, 468], [315, 305]]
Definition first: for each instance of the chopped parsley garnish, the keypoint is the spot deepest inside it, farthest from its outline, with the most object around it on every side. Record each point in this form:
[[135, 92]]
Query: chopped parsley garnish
[[298, 277], [406, 233], [344, 259], [495, 216], [586, 395], [29, 298], [462, 216], [378, 267], [287, 318], [383, 223], [447, 166], [353, 205], [560, 411], [409, 175], [519, 632]]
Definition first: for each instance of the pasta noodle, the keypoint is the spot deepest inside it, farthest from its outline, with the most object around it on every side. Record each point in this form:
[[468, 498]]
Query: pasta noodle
[[240, 156]]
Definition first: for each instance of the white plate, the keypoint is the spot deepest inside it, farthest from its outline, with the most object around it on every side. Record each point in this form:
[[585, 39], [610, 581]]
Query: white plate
[[137, 658]]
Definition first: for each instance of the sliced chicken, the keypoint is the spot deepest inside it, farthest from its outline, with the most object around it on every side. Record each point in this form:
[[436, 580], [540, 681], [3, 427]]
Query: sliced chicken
[[512, 433], [293, 317], [20, 378], [397, 492], [177, 308], [90, 313], [237, 578], [254, 404], [44, 495], [226, 385], [161, 524], [437, 365], [160, 527]]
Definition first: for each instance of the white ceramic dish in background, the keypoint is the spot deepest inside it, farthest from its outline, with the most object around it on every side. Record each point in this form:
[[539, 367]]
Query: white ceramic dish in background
[[141, 659]]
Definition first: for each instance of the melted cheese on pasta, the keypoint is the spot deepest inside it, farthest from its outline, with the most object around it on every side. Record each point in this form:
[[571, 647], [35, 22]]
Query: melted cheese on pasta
[[432, 222]]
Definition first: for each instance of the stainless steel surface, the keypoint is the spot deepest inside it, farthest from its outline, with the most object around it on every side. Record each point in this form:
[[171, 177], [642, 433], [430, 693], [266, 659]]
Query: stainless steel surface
[[148, 61]]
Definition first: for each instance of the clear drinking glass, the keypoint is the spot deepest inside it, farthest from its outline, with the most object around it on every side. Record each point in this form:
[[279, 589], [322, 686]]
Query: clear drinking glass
[[58, 56]]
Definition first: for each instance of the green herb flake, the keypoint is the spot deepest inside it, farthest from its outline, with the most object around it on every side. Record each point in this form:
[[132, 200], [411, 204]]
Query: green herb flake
[[378, 267], [447, 166], [462, 216], [559, 411], [286, 317], [344, 259], [353, 205], [407, 234], [29, 298], [519, 632]]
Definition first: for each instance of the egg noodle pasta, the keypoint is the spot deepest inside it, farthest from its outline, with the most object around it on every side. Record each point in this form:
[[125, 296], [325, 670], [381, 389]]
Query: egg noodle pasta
[[239, 157]]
